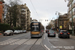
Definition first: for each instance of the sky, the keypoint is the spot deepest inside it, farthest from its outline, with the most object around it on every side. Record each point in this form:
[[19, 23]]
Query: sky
[[45, 9]]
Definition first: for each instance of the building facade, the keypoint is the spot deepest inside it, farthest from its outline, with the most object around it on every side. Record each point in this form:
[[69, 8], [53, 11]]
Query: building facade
[[23, 18], [1, 11], [63, 22], [71, 11], [28, 19]]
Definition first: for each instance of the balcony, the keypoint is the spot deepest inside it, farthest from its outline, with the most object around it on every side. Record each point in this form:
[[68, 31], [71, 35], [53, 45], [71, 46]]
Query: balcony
[[74, 13], [73, 5], [23, 20], [23, 13], [70, 1], [28, 11], [70, 15], [22, 10], [22, 17], [23, 23], [69, 9]]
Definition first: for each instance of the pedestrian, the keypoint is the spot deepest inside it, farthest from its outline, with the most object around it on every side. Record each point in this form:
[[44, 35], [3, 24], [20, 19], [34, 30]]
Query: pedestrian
[[59, 30]]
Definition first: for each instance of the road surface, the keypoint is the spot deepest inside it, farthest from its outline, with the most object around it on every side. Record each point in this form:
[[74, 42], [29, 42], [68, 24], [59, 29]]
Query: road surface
[[25, 42]]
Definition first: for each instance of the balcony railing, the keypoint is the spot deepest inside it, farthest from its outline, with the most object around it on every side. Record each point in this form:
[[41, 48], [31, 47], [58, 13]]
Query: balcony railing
[[73, 5], [70, 1], [22, 10], [74, 13]]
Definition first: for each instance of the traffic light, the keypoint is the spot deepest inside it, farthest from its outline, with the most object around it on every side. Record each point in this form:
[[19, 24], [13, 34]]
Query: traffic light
[[46, 20]]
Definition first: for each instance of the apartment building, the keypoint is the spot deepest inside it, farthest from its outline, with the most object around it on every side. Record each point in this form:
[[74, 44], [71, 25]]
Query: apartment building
[[63, 22], [71, 11], [28, 19], [1, 11], [23, 18]]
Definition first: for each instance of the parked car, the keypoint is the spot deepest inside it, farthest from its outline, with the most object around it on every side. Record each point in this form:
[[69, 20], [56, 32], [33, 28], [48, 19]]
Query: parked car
[[64, 33], [51, 33], [24, 31], [8, 32], [21, 31], [16, 32]]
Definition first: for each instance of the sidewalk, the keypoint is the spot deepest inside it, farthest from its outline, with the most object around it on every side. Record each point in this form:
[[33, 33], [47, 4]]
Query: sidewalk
[[73, 37]]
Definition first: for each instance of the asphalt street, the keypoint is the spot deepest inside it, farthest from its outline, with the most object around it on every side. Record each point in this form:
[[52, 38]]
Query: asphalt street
[[25, 42]]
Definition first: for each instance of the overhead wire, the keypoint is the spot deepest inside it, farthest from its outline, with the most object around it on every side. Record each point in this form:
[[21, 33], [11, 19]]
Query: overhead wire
[[34, 8]]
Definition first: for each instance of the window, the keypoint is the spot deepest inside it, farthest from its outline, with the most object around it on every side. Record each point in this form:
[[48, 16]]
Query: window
[[73, 2], [23, 9], [73, 9], [74, 16], [70, 6], [22, 15], [70, 12], [70, 19], [23, 12]]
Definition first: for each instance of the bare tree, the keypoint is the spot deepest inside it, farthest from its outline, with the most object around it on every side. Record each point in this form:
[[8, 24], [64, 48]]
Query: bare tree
[[49, 26], [14, 2], [13, 11]]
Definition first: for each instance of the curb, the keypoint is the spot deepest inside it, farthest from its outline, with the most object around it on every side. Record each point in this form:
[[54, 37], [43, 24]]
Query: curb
[[72, 36]]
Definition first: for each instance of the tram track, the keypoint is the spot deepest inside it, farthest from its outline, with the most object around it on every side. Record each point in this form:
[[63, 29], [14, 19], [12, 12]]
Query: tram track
[[20, 42], [33, 44], [10, 41]]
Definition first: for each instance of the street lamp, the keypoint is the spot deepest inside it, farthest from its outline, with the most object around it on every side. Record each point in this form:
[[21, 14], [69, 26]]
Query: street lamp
[[72, 17]]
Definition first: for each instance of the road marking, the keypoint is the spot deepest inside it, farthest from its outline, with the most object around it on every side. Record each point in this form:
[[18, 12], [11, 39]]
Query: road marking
[[53, 40], [8, 42], [30, 42], [19, 42], [44, 37], [56, 35], [47, 47], [38, 42]]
